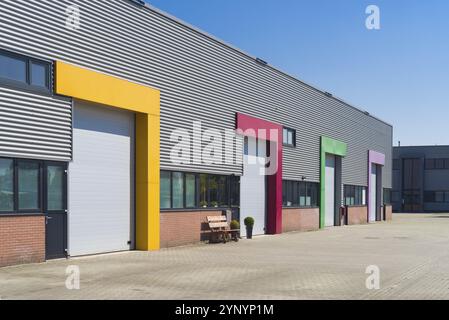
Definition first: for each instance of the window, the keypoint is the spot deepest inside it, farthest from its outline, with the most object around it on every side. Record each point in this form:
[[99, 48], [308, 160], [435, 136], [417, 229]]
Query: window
[[436, 196], [28, 186], [189, 190], [6, 185], [178, 190], [387, 196], [165, 190], [55, 188], [354, 195], [289, 137], [437, 164], [299, 194], [32, 186], [24, 72]]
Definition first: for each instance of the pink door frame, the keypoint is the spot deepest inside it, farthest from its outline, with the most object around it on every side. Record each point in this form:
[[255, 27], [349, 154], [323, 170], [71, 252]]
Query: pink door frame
[[272, 132], [378, 158]]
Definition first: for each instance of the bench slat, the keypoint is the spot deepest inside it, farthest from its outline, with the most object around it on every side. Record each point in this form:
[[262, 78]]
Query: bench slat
[[217, 219], [214, 225]]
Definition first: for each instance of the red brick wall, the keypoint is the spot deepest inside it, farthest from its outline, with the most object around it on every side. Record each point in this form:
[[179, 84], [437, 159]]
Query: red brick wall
[[300, 219], [389, 213], [183, 228], [357, 215], [22, 240]]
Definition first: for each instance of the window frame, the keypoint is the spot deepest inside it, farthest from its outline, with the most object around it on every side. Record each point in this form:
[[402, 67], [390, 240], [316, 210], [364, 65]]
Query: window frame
[[27, 85], [42, 201], [284, 141], [288, 191], [356, 193], [197, 190]]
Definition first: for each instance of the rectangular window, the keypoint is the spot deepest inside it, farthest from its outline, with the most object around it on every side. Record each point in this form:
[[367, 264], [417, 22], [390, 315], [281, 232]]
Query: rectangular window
[[165, 190], [289, 137], [28, 186], [178, 190], [6, 185], [55, 188], [354, 195], [234, 190], [24, 72], [429, 196], [13, 68], [299, 194], [439, 196], [439, 164], [190, 191], [387, 196]]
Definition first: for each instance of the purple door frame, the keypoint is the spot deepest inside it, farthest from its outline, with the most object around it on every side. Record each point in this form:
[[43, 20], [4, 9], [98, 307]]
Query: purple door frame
[[376, 158]]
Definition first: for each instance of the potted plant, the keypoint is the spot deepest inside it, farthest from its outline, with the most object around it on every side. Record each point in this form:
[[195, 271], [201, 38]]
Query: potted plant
[[249, 223], [214, 204], [235, 229], [203, 204]]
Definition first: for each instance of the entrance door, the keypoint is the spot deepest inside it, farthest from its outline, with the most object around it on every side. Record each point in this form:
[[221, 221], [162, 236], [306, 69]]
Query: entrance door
[[330, 191], [411, 185], [252, 186], [55, 203]]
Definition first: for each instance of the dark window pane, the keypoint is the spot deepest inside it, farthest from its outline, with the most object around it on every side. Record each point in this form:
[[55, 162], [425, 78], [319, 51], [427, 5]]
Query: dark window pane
[[12, 68], [39, 74], [178, 190], [302, 194], [284, 193], [203, 191], [6, 185], [28, 186], [213, 191], [222, 189], [165, 190], [55, 188], [439, 163], [439, 196], [235, 191], [314, 194], [446, 163], [190, 191], [387, 196]]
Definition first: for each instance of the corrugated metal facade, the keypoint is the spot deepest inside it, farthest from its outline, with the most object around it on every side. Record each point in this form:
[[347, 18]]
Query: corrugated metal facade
[[35, 126], [199, 79]]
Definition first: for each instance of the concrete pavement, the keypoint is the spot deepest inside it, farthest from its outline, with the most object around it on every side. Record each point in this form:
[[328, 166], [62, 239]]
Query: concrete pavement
[[412, 253]]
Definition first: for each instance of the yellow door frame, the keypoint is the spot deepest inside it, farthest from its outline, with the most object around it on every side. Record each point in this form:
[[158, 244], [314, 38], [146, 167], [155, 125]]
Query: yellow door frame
[[92, 86]]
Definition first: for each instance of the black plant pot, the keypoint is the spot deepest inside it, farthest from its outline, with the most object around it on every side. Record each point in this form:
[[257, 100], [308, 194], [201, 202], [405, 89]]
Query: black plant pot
[[249, 232]]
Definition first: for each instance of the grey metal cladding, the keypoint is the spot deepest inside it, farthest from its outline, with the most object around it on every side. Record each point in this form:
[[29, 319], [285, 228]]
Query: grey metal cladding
[[34, 126], [199, 78]]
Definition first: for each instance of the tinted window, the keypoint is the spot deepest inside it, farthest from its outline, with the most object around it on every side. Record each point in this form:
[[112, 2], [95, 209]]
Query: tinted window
[[165, 190], [28, 178], [6, 185], [39, 74], [190, 191], [13, 68], [178, 190], [55, 188]]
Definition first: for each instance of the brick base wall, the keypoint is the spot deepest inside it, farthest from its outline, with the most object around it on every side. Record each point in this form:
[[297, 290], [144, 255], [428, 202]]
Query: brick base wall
[[357, 215], [388, 212], [184, 228], [22, 240], [300, 219]]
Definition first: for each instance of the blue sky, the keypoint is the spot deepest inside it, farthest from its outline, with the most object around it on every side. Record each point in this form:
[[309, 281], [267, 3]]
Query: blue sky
[[399, 73]]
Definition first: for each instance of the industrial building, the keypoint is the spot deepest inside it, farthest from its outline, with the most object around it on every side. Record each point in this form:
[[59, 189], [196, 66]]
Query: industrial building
[[95, 96], [420, 179]]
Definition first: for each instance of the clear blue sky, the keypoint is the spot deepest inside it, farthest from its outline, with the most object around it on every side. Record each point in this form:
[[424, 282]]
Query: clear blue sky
[[399, 73]]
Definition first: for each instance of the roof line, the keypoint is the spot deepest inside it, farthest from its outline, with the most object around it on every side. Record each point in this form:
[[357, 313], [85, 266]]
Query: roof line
[[423, 146], [240, 51]]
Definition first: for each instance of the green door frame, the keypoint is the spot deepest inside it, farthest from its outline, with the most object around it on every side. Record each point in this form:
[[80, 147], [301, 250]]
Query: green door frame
[[328, 146]]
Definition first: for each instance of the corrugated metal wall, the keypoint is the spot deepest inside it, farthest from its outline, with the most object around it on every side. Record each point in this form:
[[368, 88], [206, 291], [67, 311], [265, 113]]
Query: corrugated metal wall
[[199, 79], [35, 126]]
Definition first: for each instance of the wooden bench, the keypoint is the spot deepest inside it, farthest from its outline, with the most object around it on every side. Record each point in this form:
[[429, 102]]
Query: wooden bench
[[220, 229]]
